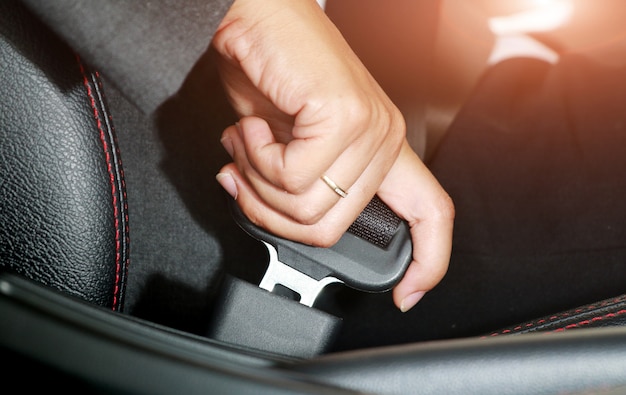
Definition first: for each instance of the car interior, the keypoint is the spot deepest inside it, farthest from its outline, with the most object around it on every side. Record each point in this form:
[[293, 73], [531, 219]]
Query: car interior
[[126, 269]]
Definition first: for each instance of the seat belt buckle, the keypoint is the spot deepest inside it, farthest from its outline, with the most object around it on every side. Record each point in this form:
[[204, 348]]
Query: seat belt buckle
[[371, 256]]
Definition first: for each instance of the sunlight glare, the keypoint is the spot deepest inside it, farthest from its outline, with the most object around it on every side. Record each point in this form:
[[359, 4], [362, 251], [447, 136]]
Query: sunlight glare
[[541, 16]]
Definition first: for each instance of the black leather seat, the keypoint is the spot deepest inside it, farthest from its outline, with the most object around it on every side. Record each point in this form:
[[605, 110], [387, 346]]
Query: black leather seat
[[64, 211]]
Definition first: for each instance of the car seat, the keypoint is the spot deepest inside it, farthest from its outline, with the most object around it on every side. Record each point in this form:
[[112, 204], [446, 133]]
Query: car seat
[[65, 248]]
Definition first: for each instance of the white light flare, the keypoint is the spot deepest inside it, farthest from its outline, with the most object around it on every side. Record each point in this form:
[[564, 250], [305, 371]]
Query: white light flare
[[541, 16]]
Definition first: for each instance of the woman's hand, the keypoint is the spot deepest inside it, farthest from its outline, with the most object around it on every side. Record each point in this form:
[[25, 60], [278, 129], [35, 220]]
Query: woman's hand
[[309, 108]]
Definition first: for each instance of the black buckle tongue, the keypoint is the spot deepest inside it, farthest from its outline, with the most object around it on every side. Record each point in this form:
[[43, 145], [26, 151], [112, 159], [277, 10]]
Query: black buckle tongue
[[371, 256]]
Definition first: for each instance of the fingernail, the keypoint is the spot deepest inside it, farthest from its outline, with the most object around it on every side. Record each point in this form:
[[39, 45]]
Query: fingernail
[[411, 300], [227, 143], [238, 126], [228, 183]]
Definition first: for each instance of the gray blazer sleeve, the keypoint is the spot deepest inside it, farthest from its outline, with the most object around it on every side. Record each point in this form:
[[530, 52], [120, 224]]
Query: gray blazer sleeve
[[146, 48]]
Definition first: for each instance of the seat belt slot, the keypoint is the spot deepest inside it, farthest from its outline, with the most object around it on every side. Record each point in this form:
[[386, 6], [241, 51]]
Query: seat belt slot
[[249, 316]]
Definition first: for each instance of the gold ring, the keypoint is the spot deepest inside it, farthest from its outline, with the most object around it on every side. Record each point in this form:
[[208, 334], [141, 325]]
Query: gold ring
[[331, 184]]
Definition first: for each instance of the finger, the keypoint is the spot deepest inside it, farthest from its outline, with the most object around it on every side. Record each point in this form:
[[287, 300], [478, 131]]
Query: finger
[[323, 233], [310, 204], [416, 196], [279, 220], [294, 166], [273, 200], [409, 189]]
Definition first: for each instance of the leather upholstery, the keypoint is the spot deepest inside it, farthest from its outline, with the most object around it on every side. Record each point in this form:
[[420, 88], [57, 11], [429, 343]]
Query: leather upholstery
[[63, 211], [63, 222], [609, 312], [574, 362]]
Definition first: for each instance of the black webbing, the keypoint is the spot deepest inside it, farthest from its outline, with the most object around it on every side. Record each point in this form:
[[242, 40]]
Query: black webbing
[[376, 224]]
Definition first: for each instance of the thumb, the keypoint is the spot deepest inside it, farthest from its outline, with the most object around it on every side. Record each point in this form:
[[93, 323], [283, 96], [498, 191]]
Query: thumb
[[414, 194]]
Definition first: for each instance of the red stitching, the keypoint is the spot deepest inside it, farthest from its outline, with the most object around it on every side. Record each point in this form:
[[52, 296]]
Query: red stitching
[[590, 321], [105, 146], [123, 182], [579, 310]]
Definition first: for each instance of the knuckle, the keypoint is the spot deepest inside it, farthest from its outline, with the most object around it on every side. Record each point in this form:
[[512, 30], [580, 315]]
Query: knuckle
[[435, 278], [307, 215], [395, 124], [324, 237], [357, 112], [398, 124], [294, 184], [444, 208], [389, 123]]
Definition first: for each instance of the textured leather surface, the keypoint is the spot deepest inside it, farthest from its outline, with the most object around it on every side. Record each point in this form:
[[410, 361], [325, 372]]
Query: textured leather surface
[[63, 210], [609, 312]]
